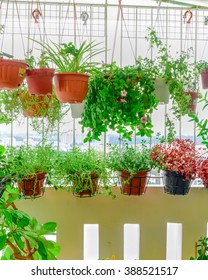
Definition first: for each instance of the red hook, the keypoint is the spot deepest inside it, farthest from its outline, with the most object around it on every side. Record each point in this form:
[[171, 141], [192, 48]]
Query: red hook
[[36, 14], [190, 17]]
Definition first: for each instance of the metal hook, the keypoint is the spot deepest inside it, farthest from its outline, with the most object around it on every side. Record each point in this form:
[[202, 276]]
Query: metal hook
[[84, 16], [190, 17], [36, 14]]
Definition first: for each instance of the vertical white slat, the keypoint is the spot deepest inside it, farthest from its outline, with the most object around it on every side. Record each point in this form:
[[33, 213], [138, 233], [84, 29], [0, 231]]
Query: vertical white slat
[[91, 242], [131, 241], [174, 241]]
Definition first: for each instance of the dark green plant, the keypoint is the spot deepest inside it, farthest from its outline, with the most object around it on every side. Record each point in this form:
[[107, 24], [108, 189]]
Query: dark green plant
[[129, 159], [23, 237], [119, 98], [202, 249], [73, 170]]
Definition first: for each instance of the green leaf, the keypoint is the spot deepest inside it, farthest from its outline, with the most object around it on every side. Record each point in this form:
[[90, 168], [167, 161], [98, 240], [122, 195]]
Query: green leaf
[[48, 228], [42, 250], [2, 241]]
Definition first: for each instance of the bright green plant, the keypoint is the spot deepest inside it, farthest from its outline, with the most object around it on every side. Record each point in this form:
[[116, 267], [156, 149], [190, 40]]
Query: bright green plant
[[202, 124], [34, 62], [202, 249], [119, 98], [129, 159], [67, 58], [73, 170], [23, 237]]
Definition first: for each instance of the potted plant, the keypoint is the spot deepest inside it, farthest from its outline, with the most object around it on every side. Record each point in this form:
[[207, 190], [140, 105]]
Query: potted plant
[[181, 73], [73, 66], [133, 165], [31, 165], [39, 80], [121, 99], [178, 160], [81, 172], [22, 237]]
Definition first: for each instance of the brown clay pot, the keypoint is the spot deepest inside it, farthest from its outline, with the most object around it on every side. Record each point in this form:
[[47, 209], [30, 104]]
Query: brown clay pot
[[40, 81], [136, 185], [91, 191], [204, 78], [71, 87], [34, 106], [33, 185], [194, 99], [12, 73]]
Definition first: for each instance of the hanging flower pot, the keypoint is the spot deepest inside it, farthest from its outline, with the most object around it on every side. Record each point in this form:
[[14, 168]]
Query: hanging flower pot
[[89, 185], [161, 91], [34, 106], [135, 185], [12, 73], [204, 78], [194, 99], [32, 186], [71, 87], [40, 81], [176, 183], [76, 110]]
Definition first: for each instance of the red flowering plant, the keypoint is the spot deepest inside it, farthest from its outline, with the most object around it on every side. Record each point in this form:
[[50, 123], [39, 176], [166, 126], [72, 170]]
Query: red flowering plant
[[179, 156], [202, 171]]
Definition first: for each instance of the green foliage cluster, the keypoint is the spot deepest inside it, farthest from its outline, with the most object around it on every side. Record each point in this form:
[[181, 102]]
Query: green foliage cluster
[[119, 98], [202, 249], [126, 158]]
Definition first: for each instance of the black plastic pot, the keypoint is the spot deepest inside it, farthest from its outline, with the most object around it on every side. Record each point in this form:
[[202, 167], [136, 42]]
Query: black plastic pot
[[175, 183]]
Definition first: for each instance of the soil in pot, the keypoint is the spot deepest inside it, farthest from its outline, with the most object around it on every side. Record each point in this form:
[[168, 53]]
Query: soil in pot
[[91, 186], [71, 87], [40, 81], [175, 183], [32, 186], [12, 73], [136, 185]]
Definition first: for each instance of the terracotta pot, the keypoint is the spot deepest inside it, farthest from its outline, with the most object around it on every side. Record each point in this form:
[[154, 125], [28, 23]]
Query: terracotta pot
[[71, 87], [175, 183], [204, 78], [93, 186], [136, 185], [194, 99], [161, 91], [40, 81], [35, 106], [32, 185], [12, 73]]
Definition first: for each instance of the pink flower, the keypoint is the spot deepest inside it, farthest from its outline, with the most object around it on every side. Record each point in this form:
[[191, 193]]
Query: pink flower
[[143, 119], [121, 100], [123, 93]]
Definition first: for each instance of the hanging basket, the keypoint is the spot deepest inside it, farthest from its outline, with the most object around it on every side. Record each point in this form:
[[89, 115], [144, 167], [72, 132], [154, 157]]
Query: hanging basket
[[40, 81], [91, 186], [12, 73], [76, 110], [71, 87], [204, 78], [161, 91], [34, 106], [32, 186], [194, 99], [136, 185], [175, 183]]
